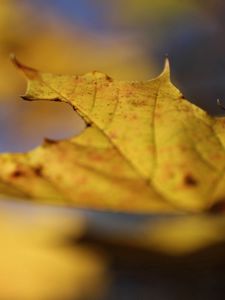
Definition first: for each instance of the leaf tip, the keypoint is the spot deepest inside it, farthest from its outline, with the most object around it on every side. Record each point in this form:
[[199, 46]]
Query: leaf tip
[[48, 142], [166, 68], [26, 97], [165, 74], [30, 73]]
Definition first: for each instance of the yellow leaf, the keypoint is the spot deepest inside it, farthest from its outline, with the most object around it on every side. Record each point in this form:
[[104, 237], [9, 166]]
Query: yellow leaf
[[146, 149], [38, 263]]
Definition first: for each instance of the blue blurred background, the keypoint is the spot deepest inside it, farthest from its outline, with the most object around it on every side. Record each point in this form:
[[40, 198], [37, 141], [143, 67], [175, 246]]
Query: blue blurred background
[[127, 39]]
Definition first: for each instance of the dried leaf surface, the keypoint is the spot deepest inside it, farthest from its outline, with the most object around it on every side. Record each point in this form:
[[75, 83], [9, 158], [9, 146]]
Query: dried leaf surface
[[146, 148]]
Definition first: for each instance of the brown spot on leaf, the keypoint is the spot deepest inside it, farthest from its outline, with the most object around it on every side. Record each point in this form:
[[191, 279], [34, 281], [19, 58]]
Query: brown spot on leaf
[[17, 173], [113, 135], [138, 102], [189, 180], [108, 78], [38, 171], [218, 207], [96, 157]]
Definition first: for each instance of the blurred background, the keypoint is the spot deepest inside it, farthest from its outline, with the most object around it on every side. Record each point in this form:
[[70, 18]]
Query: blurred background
[[126, 39]]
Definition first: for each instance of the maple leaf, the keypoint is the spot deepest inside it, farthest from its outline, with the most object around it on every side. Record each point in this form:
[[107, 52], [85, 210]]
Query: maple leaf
[[146, 148]]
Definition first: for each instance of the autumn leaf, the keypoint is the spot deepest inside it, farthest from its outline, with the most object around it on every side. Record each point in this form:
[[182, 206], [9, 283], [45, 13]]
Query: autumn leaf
[[37, 262], [145, 149]]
